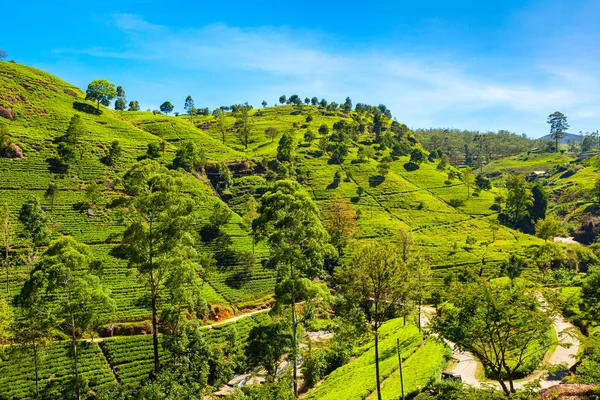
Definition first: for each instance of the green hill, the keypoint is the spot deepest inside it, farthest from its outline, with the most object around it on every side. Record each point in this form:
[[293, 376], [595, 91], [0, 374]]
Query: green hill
[[451, 228]]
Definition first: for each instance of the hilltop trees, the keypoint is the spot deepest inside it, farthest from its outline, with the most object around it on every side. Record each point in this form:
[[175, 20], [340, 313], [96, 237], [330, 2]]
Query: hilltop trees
[[243, 124], [134, 105], [62, 279], [189, 107], [497, 324], [558, 127], [101, 91], [166, 107], [289, 221], [3, 54], [157, 240], [376, 280], [120, 103]]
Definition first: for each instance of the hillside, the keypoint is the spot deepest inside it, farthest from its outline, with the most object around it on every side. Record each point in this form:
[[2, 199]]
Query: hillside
[[452, 227]]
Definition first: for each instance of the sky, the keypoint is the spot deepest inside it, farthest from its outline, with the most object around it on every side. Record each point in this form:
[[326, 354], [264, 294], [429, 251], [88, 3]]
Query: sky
[[479, 65]]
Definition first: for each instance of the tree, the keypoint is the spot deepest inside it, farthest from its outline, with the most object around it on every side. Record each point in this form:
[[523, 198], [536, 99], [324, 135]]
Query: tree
[[189, 107], [282, 99], [306, 100], [3, 54], [243, 124], [497, 324], [519, 198], [166, 107], [558, 127], [537, 210], [134, 105], [35, 222], [340, 222], [93, 193], [309, 136], [383, 168], [101, 91], [417, 156], [250, 214], [494, 227], [482, 182], [466, 176], [590, 296], [220, 216], [220, 124], [285, 149], [6, 233], [267, 343], [376, 280], [153, 150], [158, 240], [513, 267], [421, 280], [114, 153], [323, 130], [75, 130], [67, 154], [271, 133], [596, 190], [406, 240], [63, 279], [323, 103], [6, 321], [314, 101], [187, 156], [289, 221], [548, 228], [121, 102], [264, 103]]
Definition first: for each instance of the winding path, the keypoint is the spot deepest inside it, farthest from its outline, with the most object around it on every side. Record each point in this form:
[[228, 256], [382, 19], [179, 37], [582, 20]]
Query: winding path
[[565, 353]]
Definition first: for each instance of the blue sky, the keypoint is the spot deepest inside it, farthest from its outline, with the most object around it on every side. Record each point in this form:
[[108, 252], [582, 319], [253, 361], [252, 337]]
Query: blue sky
[[483, 65]]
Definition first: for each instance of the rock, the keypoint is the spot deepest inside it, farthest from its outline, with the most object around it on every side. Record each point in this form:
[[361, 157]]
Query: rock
[[7, 113], [90, 213], [12, 151]]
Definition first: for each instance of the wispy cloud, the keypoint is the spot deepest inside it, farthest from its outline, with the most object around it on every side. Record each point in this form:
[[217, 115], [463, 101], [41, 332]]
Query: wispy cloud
[[422, 91]]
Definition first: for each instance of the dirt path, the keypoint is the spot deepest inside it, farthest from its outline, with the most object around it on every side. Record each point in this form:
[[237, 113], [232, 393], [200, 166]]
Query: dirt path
[[565, 353]]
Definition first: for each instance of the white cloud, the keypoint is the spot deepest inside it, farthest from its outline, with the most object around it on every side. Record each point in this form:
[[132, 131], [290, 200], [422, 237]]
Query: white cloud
[[421, 91]]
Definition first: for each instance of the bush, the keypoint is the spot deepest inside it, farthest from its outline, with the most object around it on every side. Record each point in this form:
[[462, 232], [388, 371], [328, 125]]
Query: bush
[[456, 202], [314, 366]]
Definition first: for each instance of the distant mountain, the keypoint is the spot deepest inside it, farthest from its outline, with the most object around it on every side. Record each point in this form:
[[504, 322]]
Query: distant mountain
[[568, 137]]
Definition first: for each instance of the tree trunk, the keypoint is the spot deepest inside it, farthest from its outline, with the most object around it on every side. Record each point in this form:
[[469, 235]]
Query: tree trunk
[[74, 343], [35, 367], [377, 364], [294, 331], [154, 327]]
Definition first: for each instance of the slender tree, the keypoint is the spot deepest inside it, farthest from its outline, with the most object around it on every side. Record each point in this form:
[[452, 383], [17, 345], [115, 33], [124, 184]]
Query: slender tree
[[35, 223], [6, 233], [219, 125], [558, 127], [189, 107], [289, 221], [406, 240], [158, 241], [250, 215], [243, 124], [466, 175], [63, 280], [377, 280], [519, 198], [271, 133]]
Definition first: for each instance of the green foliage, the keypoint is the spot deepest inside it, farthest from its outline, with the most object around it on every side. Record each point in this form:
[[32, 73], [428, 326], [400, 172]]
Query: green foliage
[[166, 107], [548, 228], [267, 343], [285, 149], [101, 91], [558, 127], [34, 221]]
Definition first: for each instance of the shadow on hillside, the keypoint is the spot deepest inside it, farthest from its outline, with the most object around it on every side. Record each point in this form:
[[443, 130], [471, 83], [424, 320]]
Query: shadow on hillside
[[208, 233], [225, 259], [376, 180], [56, 167], [86, 108], [237, 280], [411, 166]]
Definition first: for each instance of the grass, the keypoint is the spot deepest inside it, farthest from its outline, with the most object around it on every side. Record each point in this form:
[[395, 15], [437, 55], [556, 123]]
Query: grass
[[356, 380]]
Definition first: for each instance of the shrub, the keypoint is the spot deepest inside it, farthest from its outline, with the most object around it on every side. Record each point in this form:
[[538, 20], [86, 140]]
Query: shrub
[[456, 202]]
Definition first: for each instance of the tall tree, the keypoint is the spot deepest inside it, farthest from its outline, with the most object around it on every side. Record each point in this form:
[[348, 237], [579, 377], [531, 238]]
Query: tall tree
[[134, 105], [558, 127], [243, 124], [121, 102], [497, 324], [6, 233], [519, 198], [63, 279], [289, 221], [466, 176], [166, 107], [157, 240], [548, 228], [420, 277], [538, 207], [376, 279], [340, 222], [220, 124], [285, 148], [406, 240], [101, 91], [35, 222], [189, 107], [250, 215]]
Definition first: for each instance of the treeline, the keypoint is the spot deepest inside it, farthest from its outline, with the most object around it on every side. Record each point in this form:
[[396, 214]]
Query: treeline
[[476, 147]]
